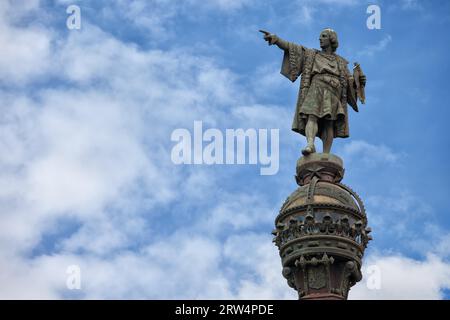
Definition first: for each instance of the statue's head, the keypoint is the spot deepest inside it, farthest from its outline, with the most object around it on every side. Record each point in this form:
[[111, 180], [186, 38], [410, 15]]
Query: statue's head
[[328, 37]]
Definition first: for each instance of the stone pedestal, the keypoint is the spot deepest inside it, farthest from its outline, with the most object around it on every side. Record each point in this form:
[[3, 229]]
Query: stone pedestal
[[321, 231]]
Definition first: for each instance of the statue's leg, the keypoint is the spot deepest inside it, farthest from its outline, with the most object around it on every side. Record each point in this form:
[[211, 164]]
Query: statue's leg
[[310, 132], [327, 135]]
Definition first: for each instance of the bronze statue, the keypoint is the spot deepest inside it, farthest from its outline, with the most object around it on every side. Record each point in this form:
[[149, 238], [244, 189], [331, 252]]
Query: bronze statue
[[325, 89]]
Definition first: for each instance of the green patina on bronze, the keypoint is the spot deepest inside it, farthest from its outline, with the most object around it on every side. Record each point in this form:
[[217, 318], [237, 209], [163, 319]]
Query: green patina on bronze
[[326, 87], [321, 230]]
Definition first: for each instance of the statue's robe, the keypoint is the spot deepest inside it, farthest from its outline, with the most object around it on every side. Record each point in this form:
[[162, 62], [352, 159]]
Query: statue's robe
[[299, 60]]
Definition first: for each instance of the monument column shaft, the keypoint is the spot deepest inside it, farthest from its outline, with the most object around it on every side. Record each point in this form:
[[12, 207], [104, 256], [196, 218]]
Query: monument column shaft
[[321, 231]]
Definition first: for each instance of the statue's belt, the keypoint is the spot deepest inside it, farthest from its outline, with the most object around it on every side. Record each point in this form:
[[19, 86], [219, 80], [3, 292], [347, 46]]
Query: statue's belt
[[332, 80]]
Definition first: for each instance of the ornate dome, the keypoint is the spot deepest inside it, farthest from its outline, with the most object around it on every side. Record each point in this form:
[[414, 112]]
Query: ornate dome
[[320, 224], [322, 193]]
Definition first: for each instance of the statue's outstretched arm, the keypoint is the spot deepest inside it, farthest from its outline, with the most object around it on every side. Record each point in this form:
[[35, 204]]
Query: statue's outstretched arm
[[274, 39], [282, 44], [292, 65]]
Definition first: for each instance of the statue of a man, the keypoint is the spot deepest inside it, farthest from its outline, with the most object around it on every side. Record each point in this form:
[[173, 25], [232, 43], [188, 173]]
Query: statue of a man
[[325, 89]]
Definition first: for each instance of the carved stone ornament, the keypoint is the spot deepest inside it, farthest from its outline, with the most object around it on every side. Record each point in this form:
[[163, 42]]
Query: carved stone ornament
[[321, 231]]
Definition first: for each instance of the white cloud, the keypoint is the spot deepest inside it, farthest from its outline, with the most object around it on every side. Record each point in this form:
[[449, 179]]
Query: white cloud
[[258, 260], [74, 150], [306, 11], [358, 152], [181, 266], [262, 116], [405, 278], [306, 14], [25, 50], [96, 149], [189, 266], [371, 50], [267, 80], [435, 239], [156, 17], [236, 212], [416, 215], [226, 5]]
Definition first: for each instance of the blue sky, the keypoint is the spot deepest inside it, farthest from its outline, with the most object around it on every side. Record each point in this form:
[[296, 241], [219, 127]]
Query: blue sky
[[87, 115]]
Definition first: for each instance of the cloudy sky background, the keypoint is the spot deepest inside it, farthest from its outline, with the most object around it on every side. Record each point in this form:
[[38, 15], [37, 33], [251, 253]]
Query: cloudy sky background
[[86, 176]]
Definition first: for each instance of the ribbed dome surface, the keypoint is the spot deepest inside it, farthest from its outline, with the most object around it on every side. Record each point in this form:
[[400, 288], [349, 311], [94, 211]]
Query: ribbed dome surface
[[323, 193]]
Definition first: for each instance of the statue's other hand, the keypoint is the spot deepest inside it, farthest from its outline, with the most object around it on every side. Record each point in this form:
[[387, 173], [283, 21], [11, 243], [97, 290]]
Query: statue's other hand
[[362, 80]]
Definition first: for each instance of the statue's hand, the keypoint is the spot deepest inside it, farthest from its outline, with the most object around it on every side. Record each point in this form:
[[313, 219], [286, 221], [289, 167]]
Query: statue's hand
[[362, 80], [269, 37]]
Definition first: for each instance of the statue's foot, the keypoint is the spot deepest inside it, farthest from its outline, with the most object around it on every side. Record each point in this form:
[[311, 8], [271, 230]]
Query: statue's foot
[[308, 150]]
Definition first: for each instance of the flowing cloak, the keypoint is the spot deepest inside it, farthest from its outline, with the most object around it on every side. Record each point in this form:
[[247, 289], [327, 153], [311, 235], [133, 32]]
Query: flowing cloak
[[299, 60]]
